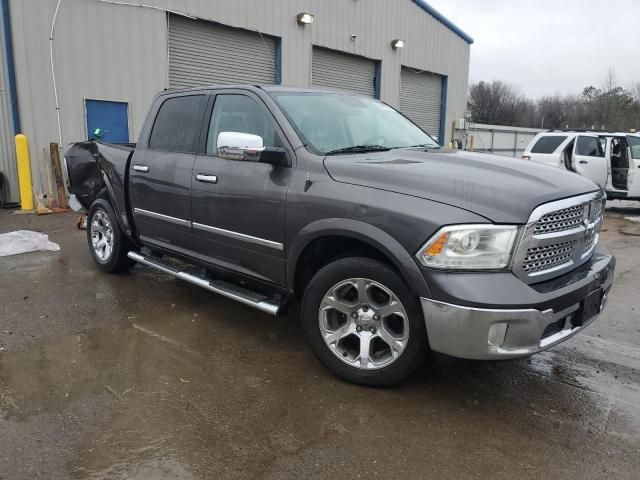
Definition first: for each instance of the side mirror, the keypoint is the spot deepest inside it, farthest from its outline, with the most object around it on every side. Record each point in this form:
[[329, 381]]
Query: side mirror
[[239, 146], [249, 148]]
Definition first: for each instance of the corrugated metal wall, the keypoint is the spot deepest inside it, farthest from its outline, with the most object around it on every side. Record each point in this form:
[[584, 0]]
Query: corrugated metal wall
[[117, 52], [420, 97], [330, 68], [101, 51], [206, 53], [9, 191]]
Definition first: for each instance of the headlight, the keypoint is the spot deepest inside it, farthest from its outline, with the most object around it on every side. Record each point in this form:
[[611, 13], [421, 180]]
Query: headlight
[[470, 247]]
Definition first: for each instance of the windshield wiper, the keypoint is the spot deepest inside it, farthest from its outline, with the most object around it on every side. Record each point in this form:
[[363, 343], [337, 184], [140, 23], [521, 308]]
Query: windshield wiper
[[424, 145], [359, 149]]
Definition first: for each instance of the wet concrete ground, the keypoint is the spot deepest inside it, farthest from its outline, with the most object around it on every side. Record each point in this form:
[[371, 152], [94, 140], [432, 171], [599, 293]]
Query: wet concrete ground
[[141, 376]]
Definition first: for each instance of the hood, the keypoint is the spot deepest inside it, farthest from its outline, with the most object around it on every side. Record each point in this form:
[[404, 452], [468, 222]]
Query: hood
[[501, 189]]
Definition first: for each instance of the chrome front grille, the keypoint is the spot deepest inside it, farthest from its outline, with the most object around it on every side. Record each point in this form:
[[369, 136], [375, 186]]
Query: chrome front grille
[[549, 256], [565, 219], [559, 237], [596, 210]]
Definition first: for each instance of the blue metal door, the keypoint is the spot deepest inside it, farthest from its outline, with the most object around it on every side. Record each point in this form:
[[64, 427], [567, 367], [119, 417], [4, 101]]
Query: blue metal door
[[107, 121]]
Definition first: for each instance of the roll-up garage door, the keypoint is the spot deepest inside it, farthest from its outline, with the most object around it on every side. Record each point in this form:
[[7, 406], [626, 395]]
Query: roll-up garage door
[[335, 69], [420, 97], [205, 53]]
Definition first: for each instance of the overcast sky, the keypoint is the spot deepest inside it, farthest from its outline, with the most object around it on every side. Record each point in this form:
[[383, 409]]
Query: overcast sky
[[546, 46]]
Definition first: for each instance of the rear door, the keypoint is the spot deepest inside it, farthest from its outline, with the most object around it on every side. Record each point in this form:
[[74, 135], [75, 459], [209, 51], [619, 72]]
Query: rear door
[[161, 170], [239, 206], [589, 159], [634, 165]]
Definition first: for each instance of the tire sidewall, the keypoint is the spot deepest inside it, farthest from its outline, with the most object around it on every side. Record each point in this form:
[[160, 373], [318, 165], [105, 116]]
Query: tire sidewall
[[417, 346], [114, 261]]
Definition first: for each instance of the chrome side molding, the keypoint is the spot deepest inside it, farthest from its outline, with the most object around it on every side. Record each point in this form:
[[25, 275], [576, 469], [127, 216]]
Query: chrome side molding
[[239, 236], [208, 228], [160, 216]]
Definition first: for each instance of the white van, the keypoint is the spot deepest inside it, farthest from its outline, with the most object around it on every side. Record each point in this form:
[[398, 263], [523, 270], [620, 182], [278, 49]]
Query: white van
[[610, 159]]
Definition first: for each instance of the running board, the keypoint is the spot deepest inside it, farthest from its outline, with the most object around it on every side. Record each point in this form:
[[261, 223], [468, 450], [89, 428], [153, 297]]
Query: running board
[[234, 292]]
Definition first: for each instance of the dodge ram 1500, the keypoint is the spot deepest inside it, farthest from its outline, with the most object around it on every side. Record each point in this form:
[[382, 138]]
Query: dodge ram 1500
[[392, 244]]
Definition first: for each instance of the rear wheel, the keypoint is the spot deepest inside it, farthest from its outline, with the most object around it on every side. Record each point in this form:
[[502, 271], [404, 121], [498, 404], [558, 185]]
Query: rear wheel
[[362, 322], [107, 243]]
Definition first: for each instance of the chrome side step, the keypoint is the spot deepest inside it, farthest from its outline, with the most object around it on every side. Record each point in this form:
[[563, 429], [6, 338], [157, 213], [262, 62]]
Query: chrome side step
[[234, 292]]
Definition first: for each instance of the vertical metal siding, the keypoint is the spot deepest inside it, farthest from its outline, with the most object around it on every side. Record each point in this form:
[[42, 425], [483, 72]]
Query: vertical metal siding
[[101, 51], [118, 52], [346, 72], [8, 168], [206, 53], [420, 95]]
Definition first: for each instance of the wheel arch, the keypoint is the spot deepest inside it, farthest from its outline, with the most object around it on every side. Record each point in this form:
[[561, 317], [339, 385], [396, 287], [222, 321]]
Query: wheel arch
[[108, 193], [373, 241]]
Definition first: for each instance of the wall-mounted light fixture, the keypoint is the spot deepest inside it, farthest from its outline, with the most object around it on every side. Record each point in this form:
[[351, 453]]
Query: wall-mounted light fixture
[[304, 18], [397, 43]]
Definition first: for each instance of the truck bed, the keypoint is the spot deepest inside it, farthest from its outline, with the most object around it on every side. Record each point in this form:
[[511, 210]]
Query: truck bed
[[98, 169]]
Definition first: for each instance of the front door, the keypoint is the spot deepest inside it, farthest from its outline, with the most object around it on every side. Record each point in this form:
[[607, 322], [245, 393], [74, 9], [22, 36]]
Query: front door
[[107, 121], [160, 173], [239, 206], [589, 159]]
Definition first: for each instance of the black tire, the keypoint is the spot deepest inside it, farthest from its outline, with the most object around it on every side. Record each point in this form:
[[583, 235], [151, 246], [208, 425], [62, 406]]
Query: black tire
[[116, 260], [417, 347]]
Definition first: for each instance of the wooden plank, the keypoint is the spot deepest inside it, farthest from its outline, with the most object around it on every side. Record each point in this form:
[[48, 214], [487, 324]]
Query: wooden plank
[[57, 171]]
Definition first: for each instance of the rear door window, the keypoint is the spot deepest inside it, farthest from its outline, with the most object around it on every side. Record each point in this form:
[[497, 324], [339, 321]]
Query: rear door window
[[548, 144], [634, 143], [589, 147], [178, 123]]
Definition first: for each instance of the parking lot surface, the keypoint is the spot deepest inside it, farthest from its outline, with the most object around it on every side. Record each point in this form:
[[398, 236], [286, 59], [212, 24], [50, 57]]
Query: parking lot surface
[[142, 376]]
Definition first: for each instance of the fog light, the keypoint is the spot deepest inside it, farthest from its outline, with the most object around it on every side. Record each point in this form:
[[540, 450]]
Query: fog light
[[497, 334]]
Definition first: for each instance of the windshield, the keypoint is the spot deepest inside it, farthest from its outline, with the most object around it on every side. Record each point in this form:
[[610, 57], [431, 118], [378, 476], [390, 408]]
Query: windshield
[[333, 122], [634, 143]]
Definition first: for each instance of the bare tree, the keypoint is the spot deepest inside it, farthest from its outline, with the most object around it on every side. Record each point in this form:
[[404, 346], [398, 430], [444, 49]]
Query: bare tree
[[496, 103], [553, 112], [636, 91], [609, 107]]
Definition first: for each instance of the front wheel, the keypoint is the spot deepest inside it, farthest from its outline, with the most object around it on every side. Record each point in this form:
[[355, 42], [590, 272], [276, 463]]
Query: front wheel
[[363, 323], [107, 243]]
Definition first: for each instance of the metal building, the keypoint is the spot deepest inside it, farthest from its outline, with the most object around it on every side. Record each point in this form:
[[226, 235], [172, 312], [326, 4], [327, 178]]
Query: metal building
[[83, 65]]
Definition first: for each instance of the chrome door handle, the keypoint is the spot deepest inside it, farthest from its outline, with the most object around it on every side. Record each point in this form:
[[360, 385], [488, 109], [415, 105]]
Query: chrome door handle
[[141, 168], [201, 177]]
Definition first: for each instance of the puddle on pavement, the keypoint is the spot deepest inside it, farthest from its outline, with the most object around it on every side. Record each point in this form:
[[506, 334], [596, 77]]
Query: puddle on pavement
[[149, 377], [180, 394]]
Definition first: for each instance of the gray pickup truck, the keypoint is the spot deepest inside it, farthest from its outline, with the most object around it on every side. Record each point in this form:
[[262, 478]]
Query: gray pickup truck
[[392, 245]]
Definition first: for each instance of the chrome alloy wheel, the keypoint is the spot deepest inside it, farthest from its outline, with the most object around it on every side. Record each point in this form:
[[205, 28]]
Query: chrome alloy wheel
[[101, 235], [363, 323]]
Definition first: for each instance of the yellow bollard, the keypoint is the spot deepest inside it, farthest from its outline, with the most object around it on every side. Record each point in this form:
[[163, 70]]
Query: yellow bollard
[[24, 172]]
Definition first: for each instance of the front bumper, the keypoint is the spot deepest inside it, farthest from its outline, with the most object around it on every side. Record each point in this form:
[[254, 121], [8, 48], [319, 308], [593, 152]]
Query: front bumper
[[549, 313]]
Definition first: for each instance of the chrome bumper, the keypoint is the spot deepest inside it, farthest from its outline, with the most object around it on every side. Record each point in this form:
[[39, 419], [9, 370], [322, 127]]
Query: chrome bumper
[[490, 334]]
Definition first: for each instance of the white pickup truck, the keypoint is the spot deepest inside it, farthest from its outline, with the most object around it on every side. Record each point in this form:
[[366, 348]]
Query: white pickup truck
[[610, 159]]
